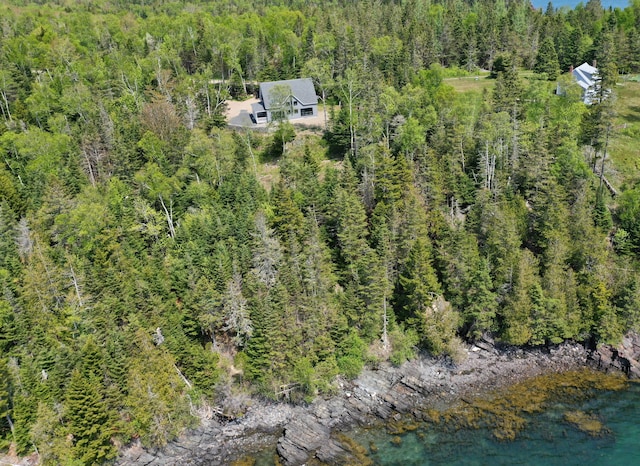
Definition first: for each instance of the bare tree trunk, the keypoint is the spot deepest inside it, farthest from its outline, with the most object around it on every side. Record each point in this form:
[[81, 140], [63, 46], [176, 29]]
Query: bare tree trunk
[[12, 428], [208, 97], [514, 142], [6, 105], [385, 320], [352, 132], [253, 157], [192, 111], [76, 286], [324, 105], [184, 379], [604, 154], [92, 177], [169, 215]]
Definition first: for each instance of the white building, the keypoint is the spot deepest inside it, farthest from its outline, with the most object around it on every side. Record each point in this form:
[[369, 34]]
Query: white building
[[587, 78]]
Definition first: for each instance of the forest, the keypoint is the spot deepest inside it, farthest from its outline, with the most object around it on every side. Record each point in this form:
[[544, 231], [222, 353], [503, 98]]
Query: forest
[[157, 267]]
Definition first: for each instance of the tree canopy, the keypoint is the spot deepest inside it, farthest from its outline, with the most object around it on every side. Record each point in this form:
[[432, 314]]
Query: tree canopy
[[156, 266]]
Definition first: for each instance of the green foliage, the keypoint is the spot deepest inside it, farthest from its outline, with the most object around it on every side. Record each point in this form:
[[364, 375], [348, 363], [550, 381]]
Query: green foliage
[[87, 418], [5, 399], [547, 60], [144, 247], [629, 214], [351, 351], [404, 345], [284, 134]]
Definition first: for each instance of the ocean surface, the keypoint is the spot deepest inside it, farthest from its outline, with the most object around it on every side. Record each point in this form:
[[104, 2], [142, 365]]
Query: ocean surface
[[547, 439], [573, 3]]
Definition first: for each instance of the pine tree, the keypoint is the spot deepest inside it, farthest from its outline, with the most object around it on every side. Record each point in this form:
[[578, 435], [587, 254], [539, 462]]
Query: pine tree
[[481, 301], [88, 420], [547, 59], [5, 399], [601, 213], [522, 302], [424, 309], [508, 90]]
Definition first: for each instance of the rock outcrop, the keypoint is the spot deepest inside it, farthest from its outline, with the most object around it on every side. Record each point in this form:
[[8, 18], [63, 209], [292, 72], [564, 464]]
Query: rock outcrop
[[303, 433], [625, 357], [387, 392]]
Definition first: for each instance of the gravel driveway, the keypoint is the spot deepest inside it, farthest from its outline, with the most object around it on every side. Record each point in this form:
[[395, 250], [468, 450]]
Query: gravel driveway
[[238, 115]]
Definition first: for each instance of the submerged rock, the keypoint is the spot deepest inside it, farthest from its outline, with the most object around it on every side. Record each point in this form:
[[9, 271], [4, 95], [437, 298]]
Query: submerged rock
[[420, 388], [585, 422]]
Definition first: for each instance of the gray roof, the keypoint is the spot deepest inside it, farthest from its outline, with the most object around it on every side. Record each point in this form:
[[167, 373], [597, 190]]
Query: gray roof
[[257, 107], [302, 89]]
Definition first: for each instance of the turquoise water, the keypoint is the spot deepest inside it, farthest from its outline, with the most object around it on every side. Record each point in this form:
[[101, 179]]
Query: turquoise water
[[573, 3], [547, 439]]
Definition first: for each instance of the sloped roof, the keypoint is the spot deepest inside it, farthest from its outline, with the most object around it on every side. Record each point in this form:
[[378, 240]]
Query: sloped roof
[[302, 89], [586, 75], [257, 107]]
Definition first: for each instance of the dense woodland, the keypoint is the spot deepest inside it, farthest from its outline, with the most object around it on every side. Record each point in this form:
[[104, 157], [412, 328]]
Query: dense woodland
[[151, 273]]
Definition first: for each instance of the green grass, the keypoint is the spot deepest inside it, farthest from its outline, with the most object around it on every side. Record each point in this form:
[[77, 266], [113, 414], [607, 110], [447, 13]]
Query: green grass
[[268, 171], [471, 83], [481, 81], [624, 146]]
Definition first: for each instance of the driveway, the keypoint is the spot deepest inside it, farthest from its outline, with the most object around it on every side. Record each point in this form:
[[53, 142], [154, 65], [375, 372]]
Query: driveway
[[238, 115]]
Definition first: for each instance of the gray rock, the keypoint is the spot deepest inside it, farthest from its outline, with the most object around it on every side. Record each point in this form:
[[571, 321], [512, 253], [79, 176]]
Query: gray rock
[[302, 437], [303, 433]]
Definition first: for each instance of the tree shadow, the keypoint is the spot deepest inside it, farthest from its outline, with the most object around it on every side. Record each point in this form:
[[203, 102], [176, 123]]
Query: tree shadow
[[633, 114]]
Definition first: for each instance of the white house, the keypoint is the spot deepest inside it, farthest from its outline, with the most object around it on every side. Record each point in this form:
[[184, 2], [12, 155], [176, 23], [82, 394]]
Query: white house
[[587, 78], [295, 98]]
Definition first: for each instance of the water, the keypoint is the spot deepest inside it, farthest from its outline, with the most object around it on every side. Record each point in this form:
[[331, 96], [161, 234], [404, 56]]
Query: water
[[573, 3], [548, 439]]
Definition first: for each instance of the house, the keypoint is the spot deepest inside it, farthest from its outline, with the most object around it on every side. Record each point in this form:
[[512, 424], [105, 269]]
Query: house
[[587, 78], [290, 99]]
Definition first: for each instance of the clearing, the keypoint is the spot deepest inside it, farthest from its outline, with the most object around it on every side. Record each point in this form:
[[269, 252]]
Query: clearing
[[624, 145], [239, 111]]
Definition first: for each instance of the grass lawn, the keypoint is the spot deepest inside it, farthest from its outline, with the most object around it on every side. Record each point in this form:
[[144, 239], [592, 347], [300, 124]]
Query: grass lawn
[[624, 146], [471, 83], [481, 81], [624, 143]]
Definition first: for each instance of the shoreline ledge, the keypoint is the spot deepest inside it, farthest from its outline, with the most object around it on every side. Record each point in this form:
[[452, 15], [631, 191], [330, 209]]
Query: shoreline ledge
[[307, 432]]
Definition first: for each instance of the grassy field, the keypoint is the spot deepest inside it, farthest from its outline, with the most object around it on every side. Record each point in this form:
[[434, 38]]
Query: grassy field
[[624, 147], [624, 144], [480, 82], [471, 83]]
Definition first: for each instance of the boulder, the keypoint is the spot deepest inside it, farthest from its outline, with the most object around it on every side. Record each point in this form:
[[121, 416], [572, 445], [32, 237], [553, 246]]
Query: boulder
[[302, 437]]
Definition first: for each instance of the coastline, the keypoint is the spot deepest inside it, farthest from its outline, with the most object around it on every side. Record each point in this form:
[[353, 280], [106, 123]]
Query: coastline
[[303, 433]]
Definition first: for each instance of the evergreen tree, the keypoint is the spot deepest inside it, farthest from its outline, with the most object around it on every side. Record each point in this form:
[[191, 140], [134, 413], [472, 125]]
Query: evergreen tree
[[5, 400], [87, 418], [481, 302], [601, 213], [424, 309], [508, 89], [547, 60]]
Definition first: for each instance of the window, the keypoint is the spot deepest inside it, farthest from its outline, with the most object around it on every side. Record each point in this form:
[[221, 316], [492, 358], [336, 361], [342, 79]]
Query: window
[[295, 103], [306, 112], [262, 115]]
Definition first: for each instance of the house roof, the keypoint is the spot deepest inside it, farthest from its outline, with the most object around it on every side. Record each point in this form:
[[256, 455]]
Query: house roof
[[257, 107], [302, 89], [586, 75]]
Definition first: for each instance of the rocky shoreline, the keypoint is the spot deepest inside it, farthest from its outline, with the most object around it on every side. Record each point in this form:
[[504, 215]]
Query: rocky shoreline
[[308, 432]]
